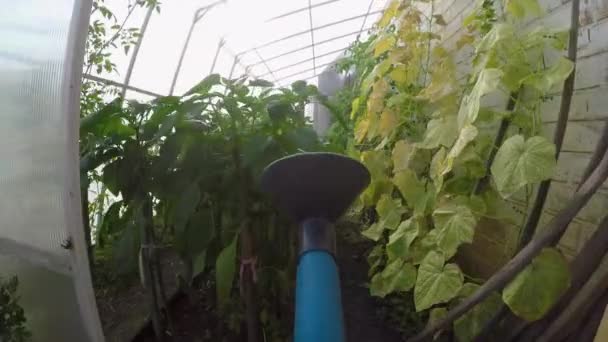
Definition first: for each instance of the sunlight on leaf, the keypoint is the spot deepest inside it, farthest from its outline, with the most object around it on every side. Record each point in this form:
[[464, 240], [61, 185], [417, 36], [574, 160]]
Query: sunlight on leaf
[[440, 132], [401, 155], [456, 225], [436, 282], [520, 162], [384, 44], [487, 82], [389, 13], [523, 8]]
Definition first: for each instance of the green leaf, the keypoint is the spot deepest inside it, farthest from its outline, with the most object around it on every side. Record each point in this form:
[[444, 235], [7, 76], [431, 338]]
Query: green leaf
[[520, 162], [199, 263], [384, 44], [260, 83], [374, 232], [523, 8], [205, 85], [389, 210], [410, 187], [400, 240], [536, 289], [388, 15], [185, 207], [546, 80], [467, 134], [487, 81], [440, 132], [473, 321], [422, 246], [401, 155], [455, 225], [225, 268], [436, 282], [437, 167], [397, 276]]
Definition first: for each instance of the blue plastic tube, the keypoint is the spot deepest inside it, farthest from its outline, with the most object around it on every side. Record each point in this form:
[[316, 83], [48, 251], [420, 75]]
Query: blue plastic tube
[[318, 300]]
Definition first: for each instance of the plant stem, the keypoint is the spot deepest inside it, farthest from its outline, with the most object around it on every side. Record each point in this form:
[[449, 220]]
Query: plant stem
[[500, 136], [553, 232], [148, 265], [560, 130]]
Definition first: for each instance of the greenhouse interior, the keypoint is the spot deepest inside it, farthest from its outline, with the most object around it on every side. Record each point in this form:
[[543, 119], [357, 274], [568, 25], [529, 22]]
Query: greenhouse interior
[[304, 170]]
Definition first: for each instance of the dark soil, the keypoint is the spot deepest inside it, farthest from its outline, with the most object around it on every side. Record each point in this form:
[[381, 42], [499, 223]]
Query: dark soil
[[367, 319]]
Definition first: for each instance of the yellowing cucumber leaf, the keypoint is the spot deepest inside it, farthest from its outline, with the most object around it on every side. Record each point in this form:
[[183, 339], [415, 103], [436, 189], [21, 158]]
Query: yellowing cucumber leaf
[[390, 211], [523, 8], [410, 187], [437, 166], [384, 44], [467, 134], [399, 74], [471, 323], [536, 289], [376, 162], [388, 122], [555, 75], [464, 40], [397, 276], [520, 162], [487, 81], [436, 283], [440, 132], [455, 225], [375, 102], [388, 15], [400, 240], [361, 129], [401, 155]]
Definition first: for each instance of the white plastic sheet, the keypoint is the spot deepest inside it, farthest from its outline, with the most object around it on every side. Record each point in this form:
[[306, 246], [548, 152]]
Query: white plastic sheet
[[40, 67]]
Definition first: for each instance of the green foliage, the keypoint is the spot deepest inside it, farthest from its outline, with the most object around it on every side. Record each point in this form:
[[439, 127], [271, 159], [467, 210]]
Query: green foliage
[[225, 268], [538, 287], [437, 282], [12, 317], [519, 163], [425, 132], [472, 323]]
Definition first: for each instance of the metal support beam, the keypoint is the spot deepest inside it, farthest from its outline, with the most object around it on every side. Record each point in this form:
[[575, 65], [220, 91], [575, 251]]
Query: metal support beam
[[217, 53], [140, 39], [303, 71], [313, 29], [312, 37], [369, 8], [305, 60], [120, 85], [300, 10], [309, 46], [265, 64]]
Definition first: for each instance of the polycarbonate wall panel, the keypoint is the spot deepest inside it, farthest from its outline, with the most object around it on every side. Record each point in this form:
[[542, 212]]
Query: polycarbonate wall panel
[[39, 202]]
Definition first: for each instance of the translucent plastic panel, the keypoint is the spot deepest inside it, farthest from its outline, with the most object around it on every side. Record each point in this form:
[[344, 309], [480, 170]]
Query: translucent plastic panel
[[39, 207], [48, 299]]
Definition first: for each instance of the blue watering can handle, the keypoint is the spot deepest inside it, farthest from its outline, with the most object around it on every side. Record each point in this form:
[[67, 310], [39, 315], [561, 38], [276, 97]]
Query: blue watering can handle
[[318, 300]]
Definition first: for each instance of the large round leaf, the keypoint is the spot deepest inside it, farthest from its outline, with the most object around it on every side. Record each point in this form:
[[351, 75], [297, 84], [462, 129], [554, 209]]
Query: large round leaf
[[436, 282], [455, 225], [397, 276], [534, 291], [520, 162]]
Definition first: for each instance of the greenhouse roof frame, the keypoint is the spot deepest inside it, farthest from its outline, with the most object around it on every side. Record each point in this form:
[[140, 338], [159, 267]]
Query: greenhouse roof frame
[[283, 59]]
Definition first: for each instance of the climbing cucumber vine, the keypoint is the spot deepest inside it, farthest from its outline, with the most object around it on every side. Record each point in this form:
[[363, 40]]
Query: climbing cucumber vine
[[425, 123]]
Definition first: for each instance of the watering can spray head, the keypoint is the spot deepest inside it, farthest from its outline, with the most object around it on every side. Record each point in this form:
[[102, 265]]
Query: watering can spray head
[[315, 189]]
